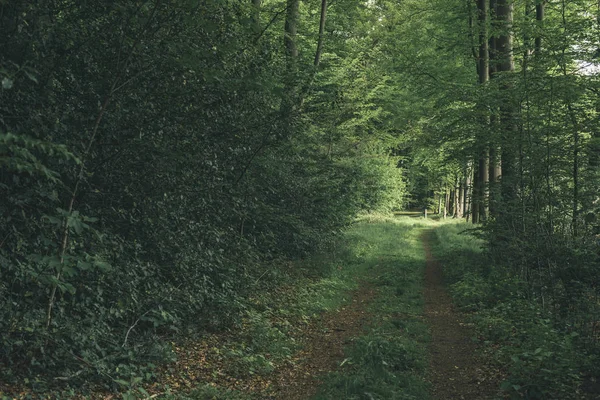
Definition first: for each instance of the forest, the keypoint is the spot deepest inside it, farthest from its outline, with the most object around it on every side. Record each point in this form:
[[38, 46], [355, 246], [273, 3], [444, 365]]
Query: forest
[[194, 193]]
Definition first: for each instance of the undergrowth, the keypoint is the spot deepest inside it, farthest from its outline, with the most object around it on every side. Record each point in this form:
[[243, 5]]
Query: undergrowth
[[542, 358]]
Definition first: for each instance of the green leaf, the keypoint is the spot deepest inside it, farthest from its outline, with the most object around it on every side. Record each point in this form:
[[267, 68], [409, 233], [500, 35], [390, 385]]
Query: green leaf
[[102, 265]]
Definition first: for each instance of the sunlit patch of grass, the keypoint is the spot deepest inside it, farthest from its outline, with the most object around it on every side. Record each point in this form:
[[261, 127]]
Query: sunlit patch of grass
[[389, 362]]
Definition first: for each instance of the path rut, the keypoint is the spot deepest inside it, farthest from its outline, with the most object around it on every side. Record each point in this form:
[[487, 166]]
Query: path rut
[[456, 370]]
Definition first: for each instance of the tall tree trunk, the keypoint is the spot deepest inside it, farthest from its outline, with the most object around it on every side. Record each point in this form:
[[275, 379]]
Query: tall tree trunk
[[494, 150], [321, 33], [479, 211], [451, 202], [504, 49], [575, 198], [483, 59], [468, 195], [446, 202], [539, 17], [465, 195], [455, 203], [291, 29]]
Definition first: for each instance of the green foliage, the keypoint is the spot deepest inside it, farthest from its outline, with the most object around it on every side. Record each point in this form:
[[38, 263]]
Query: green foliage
[[378, 366]]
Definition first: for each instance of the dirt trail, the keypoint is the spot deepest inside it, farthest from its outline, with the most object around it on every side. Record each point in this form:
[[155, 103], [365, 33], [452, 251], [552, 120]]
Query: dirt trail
[[324, 347], [456, 370]]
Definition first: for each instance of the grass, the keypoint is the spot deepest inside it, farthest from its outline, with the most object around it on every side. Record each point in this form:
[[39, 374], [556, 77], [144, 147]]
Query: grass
[[389, 361]]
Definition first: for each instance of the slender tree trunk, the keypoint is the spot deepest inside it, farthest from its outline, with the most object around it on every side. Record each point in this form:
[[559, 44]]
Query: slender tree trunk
[[468, 193], [446, 203], [455, 202], [576, 139], [291, 30], [465, 195], [321, 33], [461, 201], [539, 17], [476, 195], [494, 176], [483, 59], [451, 202], [494, 149], [483, 176], [479, 210]]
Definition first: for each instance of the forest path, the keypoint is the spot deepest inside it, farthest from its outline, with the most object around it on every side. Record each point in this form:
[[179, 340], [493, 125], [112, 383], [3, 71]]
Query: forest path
[[324, 347], [456, 371]]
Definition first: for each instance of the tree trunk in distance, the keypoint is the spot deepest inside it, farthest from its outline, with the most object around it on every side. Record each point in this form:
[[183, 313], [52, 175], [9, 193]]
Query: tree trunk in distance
[[468, 192], [483, 185], [461, 198], [494, 176], [446, 202], [455, 203], [475, 196], [465, 185]]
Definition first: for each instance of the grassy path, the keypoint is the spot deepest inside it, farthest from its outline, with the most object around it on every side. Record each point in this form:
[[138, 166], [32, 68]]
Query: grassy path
[[456, 371], [389, 359]]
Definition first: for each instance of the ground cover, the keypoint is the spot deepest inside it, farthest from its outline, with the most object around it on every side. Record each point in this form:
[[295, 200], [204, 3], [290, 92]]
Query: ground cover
[[543, 358]]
